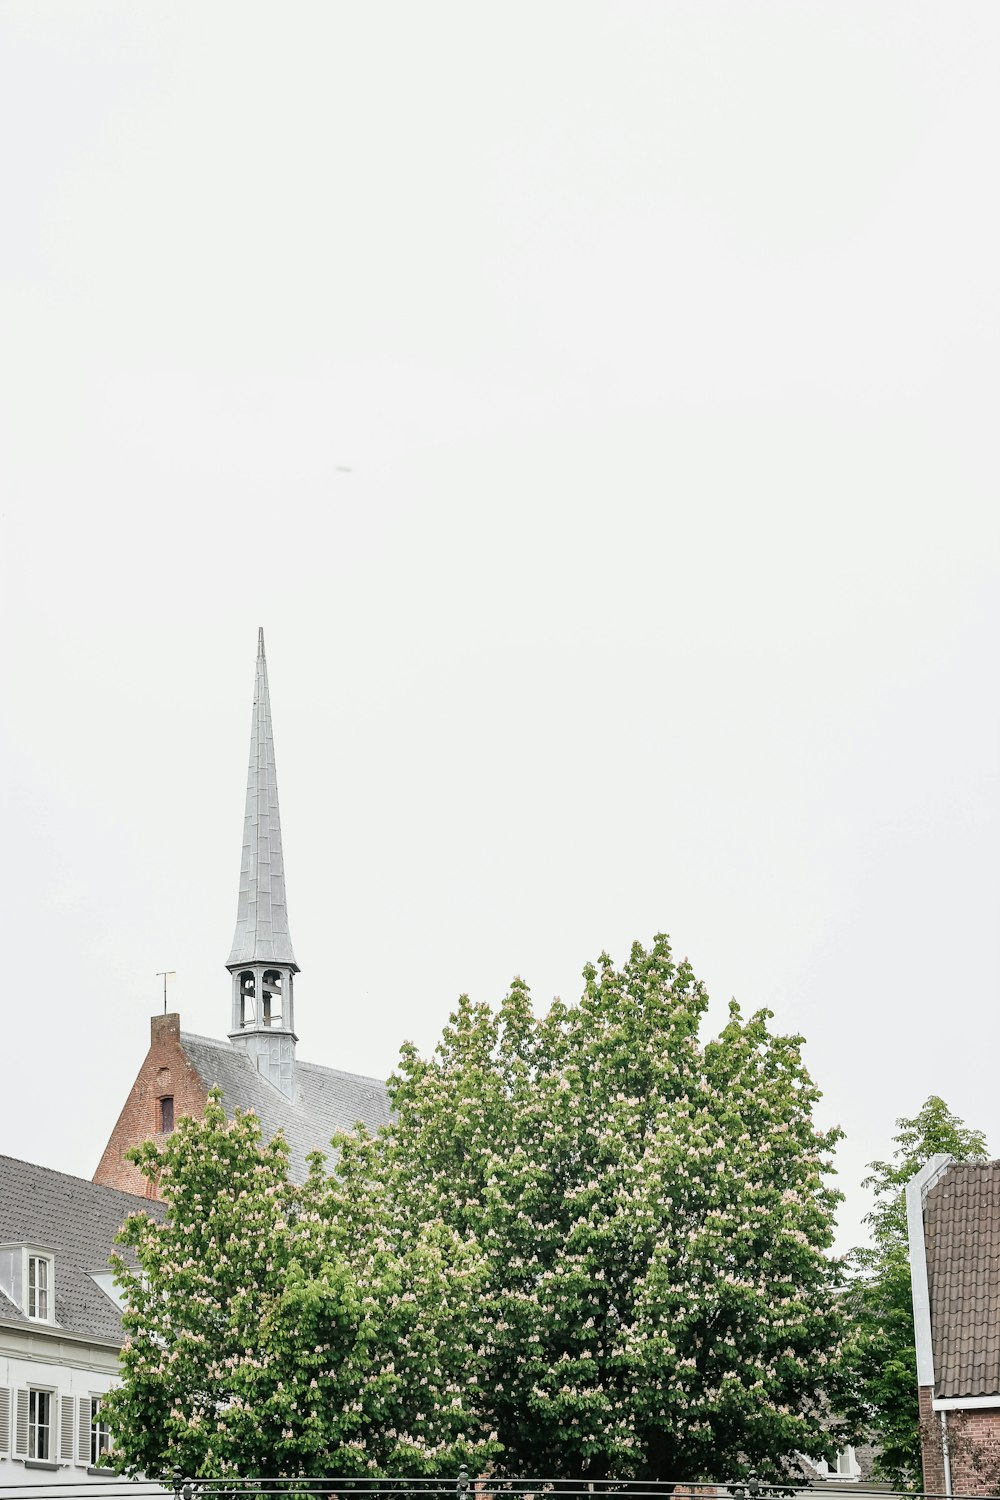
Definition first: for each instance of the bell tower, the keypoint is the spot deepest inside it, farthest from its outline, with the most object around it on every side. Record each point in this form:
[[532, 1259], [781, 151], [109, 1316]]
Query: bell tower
[[262, 962]]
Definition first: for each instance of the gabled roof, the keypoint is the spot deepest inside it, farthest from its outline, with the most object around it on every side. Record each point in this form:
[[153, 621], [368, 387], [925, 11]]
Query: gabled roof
[[962, 1242], [262, 912], [77, 1220], [324, 1099]]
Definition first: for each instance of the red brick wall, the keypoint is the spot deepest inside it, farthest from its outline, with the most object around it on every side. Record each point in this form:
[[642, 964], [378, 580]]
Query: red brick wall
[[165, 1071], [973, 1448], [930, 1443]]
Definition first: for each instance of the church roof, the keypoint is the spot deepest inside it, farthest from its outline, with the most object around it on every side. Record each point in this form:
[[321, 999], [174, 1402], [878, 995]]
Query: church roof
[[262, 914], [323, 1100], [77, 1221]]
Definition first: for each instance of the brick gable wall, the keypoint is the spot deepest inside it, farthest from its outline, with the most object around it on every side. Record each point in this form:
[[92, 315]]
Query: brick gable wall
[[973, 1448], [165, 1072]]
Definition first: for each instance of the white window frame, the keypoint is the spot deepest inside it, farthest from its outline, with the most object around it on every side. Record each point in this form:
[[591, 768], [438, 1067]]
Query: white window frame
[[97, 1428], [36, 1394], [38, 1286], [845, 1468], [847, 1464]]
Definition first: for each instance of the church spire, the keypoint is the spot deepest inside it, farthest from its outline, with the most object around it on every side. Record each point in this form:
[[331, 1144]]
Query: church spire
[[262, 915], [262, 961]]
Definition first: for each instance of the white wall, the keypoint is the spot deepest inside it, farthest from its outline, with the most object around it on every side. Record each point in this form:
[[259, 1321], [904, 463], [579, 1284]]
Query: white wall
[[74, 1371]]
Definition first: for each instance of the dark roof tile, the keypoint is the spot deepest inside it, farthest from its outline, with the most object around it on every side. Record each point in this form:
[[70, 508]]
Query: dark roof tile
[[962, 1236], [325, 1100]]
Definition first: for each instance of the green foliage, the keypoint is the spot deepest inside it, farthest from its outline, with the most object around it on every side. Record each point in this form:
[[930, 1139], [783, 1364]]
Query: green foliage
[[880, 1362], [262, 1338], [932, 1131], [588, 1245], [652, 1217]]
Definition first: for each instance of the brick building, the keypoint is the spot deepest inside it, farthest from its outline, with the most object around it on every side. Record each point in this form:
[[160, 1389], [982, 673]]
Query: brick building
[[256, 1067], [953, 1218]]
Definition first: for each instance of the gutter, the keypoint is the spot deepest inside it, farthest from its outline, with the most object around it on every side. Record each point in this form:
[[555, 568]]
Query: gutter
[[53, 1331], [966, 1403]]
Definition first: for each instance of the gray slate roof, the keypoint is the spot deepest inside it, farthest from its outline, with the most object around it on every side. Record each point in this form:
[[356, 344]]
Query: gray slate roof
[[262, 913], [78, 1221], [325, 1099], [962, 1237]]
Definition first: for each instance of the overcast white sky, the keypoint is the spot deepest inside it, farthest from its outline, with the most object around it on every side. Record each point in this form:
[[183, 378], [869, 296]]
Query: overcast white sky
[[659, 342]]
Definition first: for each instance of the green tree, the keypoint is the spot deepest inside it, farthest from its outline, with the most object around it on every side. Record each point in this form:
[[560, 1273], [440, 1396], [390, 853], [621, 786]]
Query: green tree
[[653, 1217], [263, 1339], [880, 1363]]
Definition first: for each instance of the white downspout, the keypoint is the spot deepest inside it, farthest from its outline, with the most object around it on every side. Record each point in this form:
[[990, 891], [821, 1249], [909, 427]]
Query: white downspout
[[945, 1455]]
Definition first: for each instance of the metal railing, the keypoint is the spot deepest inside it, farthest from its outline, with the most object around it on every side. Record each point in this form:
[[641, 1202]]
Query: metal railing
[[178, 1486]]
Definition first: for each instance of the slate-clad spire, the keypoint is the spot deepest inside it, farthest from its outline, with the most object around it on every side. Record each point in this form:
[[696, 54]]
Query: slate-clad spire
[[261, 935]]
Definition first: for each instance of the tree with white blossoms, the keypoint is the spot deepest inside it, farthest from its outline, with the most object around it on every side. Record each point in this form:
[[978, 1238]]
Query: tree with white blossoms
[[653, 1216], [264, 1338]]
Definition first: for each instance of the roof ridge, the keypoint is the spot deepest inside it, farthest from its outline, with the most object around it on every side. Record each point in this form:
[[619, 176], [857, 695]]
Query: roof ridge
[[224, 1045]]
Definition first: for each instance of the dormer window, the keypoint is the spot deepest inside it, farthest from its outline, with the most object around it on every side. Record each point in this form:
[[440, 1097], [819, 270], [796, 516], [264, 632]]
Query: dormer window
[[109, 1286], [27, 1277]]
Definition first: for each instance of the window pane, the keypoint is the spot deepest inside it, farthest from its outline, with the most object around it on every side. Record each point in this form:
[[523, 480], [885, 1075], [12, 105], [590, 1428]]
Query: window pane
[[39, 1424], [100, 1436], [38, 1287]]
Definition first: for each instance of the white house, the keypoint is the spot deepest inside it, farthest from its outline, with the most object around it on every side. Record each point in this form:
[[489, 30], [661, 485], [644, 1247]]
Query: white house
[[60, 1329]]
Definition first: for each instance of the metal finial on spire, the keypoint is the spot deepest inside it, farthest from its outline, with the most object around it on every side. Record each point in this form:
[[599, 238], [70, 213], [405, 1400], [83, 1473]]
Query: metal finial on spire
[[262, 914]]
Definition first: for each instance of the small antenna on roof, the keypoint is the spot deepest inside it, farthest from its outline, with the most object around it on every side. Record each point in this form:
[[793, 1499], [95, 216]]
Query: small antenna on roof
[[165, 974]]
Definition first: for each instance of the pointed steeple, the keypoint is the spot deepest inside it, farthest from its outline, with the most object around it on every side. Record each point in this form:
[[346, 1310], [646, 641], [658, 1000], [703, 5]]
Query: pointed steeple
[[262, 961], [262, 914]]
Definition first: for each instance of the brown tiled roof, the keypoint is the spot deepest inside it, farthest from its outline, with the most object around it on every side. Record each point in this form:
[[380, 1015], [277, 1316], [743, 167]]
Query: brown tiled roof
[[962, 1233]]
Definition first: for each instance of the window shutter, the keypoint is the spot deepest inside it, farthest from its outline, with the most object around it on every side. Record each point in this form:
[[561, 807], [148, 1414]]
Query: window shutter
[[4, 1421], [67, 1432], [21, 1426], [83, 1433]]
